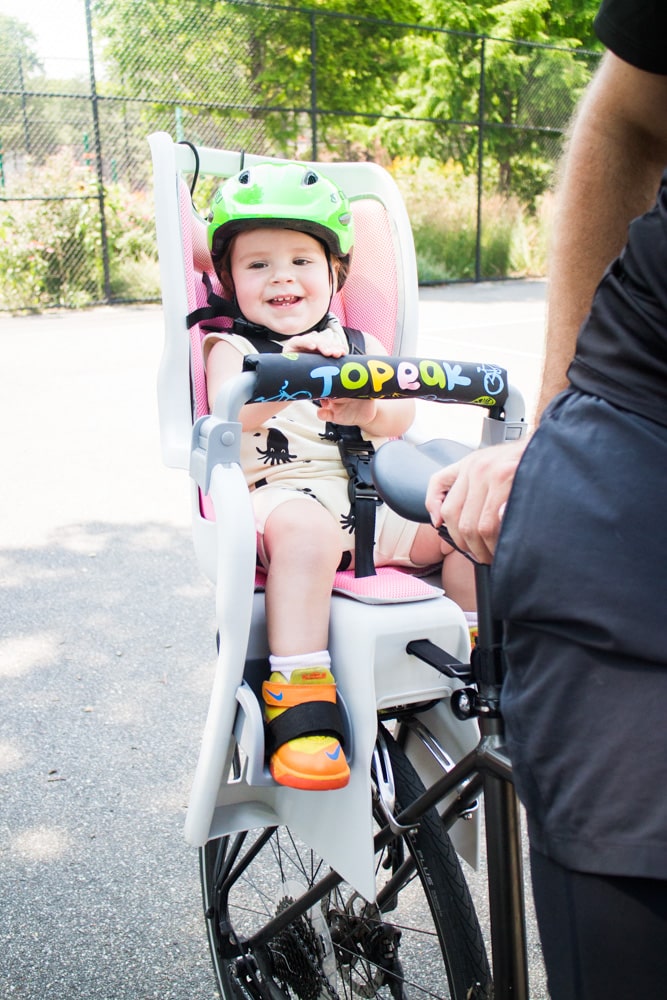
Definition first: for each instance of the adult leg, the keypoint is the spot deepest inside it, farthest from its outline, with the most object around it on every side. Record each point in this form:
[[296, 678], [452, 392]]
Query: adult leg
[[603, 936]]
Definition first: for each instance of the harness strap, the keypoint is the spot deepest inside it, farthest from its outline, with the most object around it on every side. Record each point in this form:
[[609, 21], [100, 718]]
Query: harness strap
[[216, 306], [356, 454]]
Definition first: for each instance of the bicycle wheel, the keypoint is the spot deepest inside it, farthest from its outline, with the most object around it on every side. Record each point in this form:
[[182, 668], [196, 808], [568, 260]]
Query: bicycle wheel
[[421, 937]]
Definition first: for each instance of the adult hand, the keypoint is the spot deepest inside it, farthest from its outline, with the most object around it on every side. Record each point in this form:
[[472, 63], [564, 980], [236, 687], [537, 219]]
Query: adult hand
[[469, 497]]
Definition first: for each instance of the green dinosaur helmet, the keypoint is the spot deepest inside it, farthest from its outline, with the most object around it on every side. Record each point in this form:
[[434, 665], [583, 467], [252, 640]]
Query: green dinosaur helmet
[[284, 196]]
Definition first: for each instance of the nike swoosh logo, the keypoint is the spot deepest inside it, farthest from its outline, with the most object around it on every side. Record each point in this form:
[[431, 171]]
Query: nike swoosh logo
[[278, 697], [335, 754]]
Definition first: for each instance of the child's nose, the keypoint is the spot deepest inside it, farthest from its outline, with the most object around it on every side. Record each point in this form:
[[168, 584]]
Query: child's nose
[[283, 272]]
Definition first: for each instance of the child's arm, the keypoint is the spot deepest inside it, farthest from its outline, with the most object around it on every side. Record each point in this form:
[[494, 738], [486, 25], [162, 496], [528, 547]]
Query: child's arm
[[222, 363]]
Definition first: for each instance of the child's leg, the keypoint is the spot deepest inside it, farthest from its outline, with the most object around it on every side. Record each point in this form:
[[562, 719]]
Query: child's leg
[[458, 573], [302, 546]]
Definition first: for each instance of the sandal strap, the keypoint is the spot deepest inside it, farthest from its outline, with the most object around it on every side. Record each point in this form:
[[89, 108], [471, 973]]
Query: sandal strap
[[312, 718]]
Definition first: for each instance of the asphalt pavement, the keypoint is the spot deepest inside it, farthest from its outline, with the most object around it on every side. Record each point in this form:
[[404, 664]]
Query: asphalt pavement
[[107, 647]]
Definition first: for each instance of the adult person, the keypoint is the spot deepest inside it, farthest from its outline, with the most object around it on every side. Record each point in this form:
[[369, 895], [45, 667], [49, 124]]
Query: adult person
[[576, 574]]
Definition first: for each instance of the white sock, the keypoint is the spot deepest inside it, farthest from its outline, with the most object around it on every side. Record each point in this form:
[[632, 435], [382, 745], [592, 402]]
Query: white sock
[[286, 664]]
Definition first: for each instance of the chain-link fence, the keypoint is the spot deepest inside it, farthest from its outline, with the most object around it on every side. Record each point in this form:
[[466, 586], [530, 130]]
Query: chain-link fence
[[470, 126]]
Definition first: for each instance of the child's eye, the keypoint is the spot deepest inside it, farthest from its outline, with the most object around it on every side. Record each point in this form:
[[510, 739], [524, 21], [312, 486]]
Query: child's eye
[[256, 264], [300, 261]]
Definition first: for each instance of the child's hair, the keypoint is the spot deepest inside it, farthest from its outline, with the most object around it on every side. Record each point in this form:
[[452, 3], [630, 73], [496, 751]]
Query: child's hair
[[281, 196]]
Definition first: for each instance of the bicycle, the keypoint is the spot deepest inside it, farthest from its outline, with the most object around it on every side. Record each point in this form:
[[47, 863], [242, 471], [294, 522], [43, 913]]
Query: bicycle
[[399, 919], [321, 937]]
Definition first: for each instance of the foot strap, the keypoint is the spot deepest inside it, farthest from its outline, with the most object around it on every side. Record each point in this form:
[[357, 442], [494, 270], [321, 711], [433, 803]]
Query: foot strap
[[312, 718]]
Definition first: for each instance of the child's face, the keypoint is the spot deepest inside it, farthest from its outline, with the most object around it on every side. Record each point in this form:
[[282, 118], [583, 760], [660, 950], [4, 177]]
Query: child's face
[[281, 278]]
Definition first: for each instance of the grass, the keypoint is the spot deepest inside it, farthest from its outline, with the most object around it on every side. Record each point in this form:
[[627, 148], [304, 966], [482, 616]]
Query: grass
[[442, 205]]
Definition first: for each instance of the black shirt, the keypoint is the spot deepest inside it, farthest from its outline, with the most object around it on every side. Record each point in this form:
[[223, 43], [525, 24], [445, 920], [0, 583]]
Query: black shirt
[[634, 30], [621, 351]]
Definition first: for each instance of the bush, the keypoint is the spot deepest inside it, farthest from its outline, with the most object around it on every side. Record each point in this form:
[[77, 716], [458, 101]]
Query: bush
[[51, 250], [442, 205], [134, 271]]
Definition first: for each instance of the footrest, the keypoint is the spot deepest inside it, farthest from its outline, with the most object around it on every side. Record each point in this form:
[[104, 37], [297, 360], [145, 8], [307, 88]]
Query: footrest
[[249, 733]]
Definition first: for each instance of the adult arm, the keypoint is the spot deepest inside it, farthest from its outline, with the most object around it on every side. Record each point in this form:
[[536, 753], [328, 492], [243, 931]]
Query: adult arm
[[610, 174]]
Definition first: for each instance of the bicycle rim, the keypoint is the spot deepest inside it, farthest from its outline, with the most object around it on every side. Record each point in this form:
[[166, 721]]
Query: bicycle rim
[[421, 939]]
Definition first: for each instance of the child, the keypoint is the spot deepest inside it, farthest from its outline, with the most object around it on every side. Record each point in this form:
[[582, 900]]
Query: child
[[281, 238]]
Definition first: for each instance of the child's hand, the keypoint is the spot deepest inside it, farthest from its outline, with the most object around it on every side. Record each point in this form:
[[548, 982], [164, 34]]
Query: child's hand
[[318, 342], [351, 412]]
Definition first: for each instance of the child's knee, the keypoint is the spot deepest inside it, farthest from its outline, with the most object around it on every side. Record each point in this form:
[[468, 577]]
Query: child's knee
[[306, 529]]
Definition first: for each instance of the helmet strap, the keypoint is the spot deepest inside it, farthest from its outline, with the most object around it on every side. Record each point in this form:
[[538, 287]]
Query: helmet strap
[[245, 328]]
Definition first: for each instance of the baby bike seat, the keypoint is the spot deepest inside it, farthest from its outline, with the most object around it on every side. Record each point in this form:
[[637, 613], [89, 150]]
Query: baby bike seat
[[372, 620]]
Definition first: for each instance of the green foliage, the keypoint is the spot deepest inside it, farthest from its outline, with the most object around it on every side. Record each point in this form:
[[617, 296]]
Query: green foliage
[[530, 87], [50, 251], [34, 114], [130, 219], [17, 49], [408, 85], [312, 75], [442, 204], [258, 57]]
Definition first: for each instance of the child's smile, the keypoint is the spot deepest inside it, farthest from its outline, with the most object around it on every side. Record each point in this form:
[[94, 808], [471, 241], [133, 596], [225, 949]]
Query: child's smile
[[282, 279]]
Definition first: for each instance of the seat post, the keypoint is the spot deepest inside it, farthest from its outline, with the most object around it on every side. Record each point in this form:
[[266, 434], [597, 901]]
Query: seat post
[[501, 806]]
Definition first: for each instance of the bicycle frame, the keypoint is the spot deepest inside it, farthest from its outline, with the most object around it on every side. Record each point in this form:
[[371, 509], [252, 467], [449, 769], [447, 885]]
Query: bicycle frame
[[488, 768]]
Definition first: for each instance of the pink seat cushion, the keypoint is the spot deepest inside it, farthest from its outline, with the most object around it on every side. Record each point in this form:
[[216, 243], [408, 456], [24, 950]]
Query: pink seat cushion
[[388, 586]]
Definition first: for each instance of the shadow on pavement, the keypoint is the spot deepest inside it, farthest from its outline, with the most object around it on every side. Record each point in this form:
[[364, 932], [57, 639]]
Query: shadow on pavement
[[106, 658]]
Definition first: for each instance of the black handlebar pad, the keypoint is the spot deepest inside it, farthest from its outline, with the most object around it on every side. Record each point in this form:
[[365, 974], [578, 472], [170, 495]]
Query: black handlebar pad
[[286, 377]]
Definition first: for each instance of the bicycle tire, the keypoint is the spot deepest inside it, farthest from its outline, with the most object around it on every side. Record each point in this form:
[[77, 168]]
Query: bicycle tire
[[425, 942]]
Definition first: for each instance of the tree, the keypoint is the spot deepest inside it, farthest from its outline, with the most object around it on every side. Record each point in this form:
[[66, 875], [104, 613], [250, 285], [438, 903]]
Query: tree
[[230, 66], [328, 74], [18, 62], [518, 66], [42, 120]]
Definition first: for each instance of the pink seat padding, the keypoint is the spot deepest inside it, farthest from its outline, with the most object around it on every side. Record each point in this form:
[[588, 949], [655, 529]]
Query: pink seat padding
[[388, 586]]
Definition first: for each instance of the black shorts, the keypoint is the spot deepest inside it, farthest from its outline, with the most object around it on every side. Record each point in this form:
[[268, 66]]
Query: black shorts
[[603, 937], [579, 578]]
